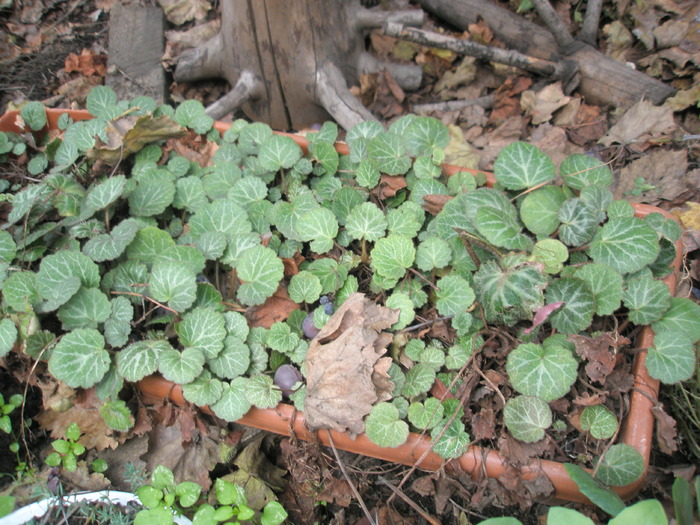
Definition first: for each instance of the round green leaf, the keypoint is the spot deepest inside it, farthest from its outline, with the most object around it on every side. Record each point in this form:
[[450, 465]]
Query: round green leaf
[[388, 153], [34, 115], [454, 441], [281, 338], [384, 428], [539, 210], [204, 390], [606, 285], [683, 316], [419, 379], [117, 415], [101, 102], [148, 245], [203, 329], [154, 192], [278, 152], [262, 393], [425, 415], [424, 134], [233, 403], [86, 309], [58, 267], [672, 358], [578, 222], [647, 512], [599, 421], [552, 253], [453, 295], [527, 418], [580, 171], [181, 367], [501, 230], [433, 253], [80, 359], [647, 299], [320, 227], [233, 360], [190, 194], [402, 302], [627, 244], [140, 359], [105, 193], [579, 305], [520, 166], [107, 247], [543, 371], [173, 283], [559, 515], [223, 216], [366, 221], [8, 336], [260, 270], [391, 256], [8, 248], [20, 291], [621, 465], [304, 287]]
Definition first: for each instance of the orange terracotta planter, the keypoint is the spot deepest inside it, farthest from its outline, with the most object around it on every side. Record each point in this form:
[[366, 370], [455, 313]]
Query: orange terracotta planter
[[636, 429]]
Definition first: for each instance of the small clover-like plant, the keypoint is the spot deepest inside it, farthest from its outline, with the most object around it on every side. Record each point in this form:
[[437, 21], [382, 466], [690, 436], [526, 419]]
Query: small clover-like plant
[[66, 451]]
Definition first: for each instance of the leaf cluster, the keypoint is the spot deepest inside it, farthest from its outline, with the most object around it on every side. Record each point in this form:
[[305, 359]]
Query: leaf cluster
[[131, 256]]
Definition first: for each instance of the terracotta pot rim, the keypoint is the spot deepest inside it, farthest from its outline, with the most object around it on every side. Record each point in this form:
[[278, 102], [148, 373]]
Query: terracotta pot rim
[[636, 429]]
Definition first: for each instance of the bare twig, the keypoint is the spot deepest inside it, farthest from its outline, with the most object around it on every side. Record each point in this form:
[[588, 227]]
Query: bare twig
[[355, 492], [427, 517], [454, 105], [467, 47], [591, 21], [554, 23]]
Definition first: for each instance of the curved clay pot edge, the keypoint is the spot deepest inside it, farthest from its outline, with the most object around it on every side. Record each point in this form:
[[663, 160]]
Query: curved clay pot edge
[[637, 427]]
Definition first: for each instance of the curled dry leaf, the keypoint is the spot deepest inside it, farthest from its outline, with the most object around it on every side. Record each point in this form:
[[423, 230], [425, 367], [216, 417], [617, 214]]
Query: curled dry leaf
[[540, 105], [642, 122], [275, 308], [666, 434], [600, 352], [345, 373]]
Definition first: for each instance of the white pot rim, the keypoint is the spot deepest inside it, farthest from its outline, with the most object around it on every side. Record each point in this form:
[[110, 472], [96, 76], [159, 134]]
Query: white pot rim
[[40, 508]]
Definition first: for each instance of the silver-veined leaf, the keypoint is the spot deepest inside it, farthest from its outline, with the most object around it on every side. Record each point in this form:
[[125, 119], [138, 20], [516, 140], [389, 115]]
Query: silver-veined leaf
[[605, 284], [278, 152], [174, 284], [580, 171], [261, 392], [392, 255], [578, 222], [383, 426], [627, 244], [646, 299], [388, 153], [366, 221], [260, 270], [8, 336], [527, 417], [683, 316], [579, 305], [203, 329], [140, 359], [204, 390], [86, 309], [233, 360], [672, 358], [320, 227], [453, 295], [546, 372], [521, 166], [621, 465], [539, 210], [80, 359], [181, 367], [599, 421], [233, 403], [105, 193], [107, 247]]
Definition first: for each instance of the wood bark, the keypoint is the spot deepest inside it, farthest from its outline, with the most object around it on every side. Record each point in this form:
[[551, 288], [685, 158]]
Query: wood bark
[[289, 61], [602, 79]]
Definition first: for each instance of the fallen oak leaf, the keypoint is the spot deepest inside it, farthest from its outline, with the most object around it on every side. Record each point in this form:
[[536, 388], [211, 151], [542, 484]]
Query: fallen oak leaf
[[345, 373]]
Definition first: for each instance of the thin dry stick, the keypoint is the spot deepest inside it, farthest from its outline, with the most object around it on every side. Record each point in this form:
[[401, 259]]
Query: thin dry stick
[[454, 105], [427, 517], [467, 47], [355, 492], [491, 384]]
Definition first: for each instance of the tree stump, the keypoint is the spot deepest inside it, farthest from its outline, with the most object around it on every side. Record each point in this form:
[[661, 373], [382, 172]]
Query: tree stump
[[289, 61]]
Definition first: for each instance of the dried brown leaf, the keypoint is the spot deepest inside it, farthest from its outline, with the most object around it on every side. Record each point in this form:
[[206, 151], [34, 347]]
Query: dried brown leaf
[[542, 104], [600, 353], [640, 123], [276, 308], [389, 185], [618, 40], [484, 424], [666, 170], [666, 434], [345, 373]]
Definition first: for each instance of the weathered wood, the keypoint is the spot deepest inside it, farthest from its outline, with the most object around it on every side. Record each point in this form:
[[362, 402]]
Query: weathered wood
[[603, 80], [136, 45], [248, 88], [303, 53]]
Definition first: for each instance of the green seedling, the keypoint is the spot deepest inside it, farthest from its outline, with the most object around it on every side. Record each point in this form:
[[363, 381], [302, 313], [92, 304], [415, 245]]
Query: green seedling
[[67, 451]]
